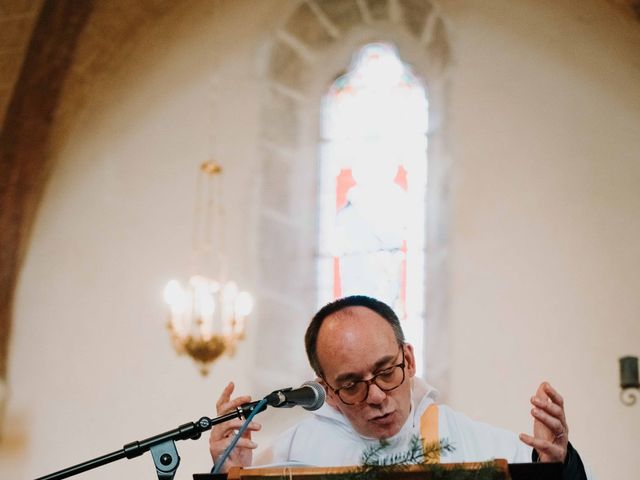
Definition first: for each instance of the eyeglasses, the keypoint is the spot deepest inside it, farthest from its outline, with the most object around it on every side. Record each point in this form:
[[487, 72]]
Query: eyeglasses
[[386, 380]]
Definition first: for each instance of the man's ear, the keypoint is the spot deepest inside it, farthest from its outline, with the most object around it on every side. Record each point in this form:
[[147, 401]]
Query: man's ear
[[410, 359]]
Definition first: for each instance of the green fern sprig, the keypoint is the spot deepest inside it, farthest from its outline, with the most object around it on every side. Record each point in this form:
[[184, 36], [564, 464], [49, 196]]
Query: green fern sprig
[[416, 453], [377, 466]]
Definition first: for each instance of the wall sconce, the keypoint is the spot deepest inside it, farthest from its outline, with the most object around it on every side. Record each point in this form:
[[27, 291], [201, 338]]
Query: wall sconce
[[629, 380]]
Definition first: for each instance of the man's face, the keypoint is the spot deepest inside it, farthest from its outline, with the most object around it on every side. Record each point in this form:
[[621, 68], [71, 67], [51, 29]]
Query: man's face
[[355, 344]]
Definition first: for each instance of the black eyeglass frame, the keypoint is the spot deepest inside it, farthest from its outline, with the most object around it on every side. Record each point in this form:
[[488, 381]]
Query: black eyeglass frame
[[372, 380]]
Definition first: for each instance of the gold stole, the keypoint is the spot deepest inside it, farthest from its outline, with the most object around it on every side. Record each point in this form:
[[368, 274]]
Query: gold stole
[[429, 431]]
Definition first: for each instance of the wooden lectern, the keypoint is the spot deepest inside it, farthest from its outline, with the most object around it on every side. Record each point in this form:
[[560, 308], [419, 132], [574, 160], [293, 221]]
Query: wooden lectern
[[496, 470]]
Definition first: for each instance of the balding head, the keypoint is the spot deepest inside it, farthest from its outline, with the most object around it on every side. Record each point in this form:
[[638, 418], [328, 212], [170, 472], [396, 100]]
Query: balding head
[[344, 306]]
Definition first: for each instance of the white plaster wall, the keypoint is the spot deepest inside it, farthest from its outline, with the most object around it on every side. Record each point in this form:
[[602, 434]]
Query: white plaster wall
[[546, 225], [92, 367], [544, 116]]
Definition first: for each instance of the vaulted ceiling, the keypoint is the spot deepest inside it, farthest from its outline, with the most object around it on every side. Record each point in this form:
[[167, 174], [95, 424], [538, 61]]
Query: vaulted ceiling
[[110, 20]]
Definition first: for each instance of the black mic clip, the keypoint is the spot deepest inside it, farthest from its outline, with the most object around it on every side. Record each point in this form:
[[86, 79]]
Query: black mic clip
[[243, 411], [279, 399]]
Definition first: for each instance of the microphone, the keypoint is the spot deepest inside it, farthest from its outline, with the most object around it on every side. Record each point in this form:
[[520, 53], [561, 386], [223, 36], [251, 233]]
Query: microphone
[[310, 396]]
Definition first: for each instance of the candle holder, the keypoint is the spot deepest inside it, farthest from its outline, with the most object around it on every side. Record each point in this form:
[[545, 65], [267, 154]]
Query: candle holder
[[629, 382]]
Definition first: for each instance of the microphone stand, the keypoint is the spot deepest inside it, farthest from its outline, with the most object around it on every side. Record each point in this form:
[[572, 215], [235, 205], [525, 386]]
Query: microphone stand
[[162, 446]]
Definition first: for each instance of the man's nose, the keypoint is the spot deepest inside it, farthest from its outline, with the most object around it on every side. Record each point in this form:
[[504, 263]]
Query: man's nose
[[375, 395]]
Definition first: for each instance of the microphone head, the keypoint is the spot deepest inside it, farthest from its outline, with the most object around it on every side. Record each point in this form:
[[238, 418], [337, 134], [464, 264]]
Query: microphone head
[[319, 395]]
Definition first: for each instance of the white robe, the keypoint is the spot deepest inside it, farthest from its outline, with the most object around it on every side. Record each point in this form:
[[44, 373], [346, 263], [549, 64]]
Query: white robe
[[328, 439]]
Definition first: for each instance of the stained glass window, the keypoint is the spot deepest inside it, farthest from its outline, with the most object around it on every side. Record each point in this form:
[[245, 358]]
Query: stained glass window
[[373, 171]]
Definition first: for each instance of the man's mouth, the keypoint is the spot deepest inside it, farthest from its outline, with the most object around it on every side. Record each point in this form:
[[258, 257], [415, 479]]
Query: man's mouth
[[383, 419]]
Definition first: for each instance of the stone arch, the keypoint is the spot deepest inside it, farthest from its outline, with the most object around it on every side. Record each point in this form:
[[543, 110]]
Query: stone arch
[[311, 47]]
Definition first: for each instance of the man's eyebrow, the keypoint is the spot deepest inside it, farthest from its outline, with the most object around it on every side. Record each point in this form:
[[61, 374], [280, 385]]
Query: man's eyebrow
[[354, 376]]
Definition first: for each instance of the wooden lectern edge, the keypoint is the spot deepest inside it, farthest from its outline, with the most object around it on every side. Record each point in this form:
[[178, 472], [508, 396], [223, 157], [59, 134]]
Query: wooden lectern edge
[[237, 473]]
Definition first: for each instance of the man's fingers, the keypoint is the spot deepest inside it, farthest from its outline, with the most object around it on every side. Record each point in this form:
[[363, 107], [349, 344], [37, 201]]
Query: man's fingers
[[548, 401], [546, 449], [235, 425], [230, 428], [553, 394], [549, 407], [219, 446], [230, 405], [552, 423], [546, 392], [246, 443], [243, 443], [225, 396], [222, 445], [528, 439], [236, 402], [225, 404], [253, 427]]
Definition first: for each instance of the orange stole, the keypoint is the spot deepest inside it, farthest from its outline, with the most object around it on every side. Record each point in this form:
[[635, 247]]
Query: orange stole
[[429, 431]]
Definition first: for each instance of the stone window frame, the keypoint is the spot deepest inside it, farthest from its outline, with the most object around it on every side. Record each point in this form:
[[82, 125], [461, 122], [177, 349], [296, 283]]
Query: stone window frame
[[312, 47]]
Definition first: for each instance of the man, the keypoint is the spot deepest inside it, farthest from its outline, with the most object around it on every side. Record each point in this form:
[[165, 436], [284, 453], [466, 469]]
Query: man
[[357, 349]]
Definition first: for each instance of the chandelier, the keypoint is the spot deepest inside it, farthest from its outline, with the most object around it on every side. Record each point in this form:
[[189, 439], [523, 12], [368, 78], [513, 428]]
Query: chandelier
[[207, 316]]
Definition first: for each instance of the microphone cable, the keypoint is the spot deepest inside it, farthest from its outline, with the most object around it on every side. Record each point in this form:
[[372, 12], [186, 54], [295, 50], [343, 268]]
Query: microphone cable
[[223, 458]]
